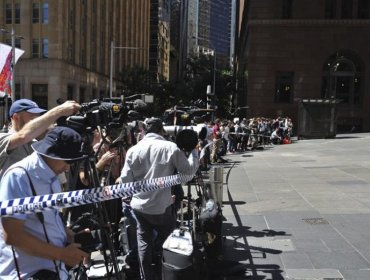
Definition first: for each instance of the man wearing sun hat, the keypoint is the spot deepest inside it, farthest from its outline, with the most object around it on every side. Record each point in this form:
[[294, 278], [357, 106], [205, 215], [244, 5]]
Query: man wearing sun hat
[[32, 246], [28, 124]]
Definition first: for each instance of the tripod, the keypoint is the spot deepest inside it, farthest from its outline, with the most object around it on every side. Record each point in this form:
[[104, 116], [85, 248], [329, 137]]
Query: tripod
[[99, 214], [109, 176]]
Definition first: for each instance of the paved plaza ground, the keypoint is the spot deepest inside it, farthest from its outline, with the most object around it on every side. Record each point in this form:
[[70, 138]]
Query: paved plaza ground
[[300, 211]]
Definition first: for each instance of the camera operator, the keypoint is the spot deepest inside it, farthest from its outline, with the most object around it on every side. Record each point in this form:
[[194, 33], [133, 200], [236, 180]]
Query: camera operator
[[27, 124], [111, 156], [35, 245], [154, 157]]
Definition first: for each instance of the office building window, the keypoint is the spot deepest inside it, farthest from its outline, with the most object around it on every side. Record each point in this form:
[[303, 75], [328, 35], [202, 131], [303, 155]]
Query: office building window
[[45, 48], [330, 9], [35, 13], [347, 9], [17, 89], [287, 9], [94, 6], [17, 13], [40, 95], [71, 53], [70, 92], [93, 33], [83, 27], [93, 61], [18, 43], [343, 78], [102, 94], [363, 8], [82, 95], [94, 94], [45, 13], [8, 13], [101, 55], [284, 87], [83, 58], [71, 20], [35, 48]]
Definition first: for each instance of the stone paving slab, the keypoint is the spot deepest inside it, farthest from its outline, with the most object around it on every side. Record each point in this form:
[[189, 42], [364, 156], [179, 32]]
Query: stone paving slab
[[314, 274], [300, 211]]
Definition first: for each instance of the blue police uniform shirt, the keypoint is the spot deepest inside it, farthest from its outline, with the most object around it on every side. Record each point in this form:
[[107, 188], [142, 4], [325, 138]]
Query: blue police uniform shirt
[[15, 184]]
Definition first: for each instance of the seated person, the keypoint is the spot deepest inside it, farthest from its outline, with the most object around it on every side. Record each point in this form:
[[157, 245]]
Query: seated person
[[276, 137]]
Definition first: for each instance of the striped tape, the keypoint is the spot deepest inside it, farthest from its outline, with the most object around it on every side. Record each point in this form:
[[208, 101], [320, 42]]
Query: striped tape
[[47, 202]]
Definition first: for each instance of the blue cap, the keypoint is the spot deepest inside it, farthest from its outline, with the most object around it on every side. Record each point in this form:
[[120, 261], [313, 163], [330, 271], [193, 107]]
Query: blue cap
[[25, 105]]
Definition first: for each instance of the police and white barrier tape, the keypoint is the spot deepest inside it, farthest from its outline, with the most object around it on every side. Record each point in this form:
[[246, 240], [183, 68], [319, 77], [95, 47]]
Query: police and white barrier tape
[[203, 151], [47, 202]]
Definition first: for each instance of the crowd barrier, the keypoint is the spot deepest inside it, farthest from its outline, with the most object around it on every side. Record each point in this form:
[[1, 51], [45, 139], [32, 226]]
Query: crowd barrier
[[47, 202]]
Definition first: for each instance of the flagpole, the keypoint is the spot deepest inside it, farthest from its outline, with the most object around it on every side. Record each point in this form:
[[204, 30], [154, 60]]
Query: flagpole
[[12, 82]]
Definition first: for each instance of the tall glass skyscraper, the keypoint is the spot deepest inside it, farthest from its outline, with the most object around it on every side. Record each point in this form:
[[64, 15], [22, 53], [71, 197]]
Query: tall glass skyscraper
[[215, 26]]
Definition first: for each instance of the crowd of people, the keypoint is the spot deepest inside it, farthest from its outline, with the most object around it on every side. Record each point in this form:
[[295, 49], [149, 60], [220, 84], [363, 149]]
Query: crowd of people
[[41, 246], [37, 157], [230, 136]]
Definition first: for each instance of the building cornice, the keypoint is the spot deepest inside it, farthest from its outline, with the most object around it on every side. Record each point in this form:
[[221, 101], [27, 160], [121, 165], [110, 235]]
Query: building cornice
[[309, 22]]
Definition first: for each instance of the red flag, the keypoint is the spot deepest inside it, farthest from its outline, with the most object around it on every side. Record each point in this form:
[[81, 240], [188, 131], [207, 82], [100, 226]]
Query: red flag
[[6, 75]]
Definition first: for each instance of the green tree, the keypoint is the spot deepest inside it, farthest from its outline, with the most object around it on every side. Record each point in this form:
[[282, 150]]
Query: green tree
[[137, 80], [191, 90], [198, 74]]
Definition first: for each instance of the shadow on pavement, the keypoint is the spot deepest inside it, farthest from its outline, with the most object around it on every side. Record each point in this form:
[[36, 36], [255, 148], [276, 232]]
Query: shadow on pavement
[[244, 231], [235, 202], [241, 251]]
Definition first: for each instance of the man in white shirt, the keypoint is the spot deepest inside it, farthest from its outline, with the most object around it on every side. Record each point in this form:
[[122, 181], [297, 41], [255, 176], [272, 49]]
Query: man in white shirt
[[154, 157]]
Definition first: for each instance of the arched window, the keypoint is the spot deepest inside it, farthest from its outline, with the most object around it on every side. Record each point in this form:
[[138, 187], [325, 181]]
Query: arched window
[[342, 78]]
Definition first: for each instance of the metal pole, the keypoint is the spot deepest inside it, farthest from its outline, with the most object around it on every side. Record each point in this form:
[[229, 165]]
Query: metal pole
[[12, 82], [111, 70], [214, 71], [214, 83]]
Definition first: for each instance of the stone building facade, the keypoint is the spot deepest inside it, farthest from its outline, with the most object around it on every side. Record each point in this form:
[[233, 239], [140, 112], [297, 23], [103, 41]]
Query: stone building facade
[[67, 45], [289, 50]]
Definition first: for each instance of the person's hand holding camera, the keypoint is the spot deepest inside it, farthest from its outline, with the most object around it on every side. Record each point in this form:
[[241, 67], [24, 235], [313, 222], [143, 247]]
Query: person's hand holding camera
[[68, 108], [105, 160]]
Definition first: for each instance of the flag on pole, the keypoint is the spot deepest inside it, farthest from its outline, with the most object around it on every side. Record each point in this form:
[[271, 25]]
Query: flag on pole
[[6, 67]]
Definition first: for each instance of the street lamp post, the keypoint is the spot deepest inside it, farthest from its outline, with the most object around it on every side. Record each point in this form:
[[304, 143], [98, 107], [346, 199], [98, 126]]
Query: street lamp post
[[214, 63], [112, 48], [214, 71]]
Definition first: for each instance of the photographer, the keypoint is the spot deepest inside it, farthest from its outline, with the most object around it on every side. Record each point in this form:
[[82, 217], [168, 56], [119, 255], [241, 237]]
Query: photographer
[[35, 245], [154, 157], [27, 124]]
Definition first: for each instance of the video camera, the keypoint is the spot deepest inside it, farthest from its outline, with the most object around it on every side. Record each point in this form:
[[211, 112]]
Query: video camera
[[108, 113], [186, 115]]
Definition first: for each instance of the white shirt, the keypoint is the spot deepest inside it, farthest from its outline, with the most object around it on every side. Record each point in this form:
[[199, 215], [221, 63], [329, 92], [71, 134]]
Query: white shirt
[[155, 157]]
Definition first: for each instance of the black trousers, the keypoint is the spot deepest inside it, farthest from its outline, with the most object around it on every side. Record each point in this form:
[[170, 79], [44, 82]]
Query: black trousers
[[152, 231]]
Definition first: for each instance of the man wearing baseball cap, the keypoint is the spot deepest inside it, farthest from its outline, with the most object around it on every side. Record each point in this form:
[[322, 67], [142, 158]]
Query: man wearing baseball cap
[[28, 121], [34, 246]]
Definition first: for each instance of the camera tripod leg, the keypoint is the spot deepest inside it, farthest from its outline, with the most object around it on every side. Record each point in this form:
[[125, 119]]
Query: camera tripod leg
[[189, 214], [103, 222]]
